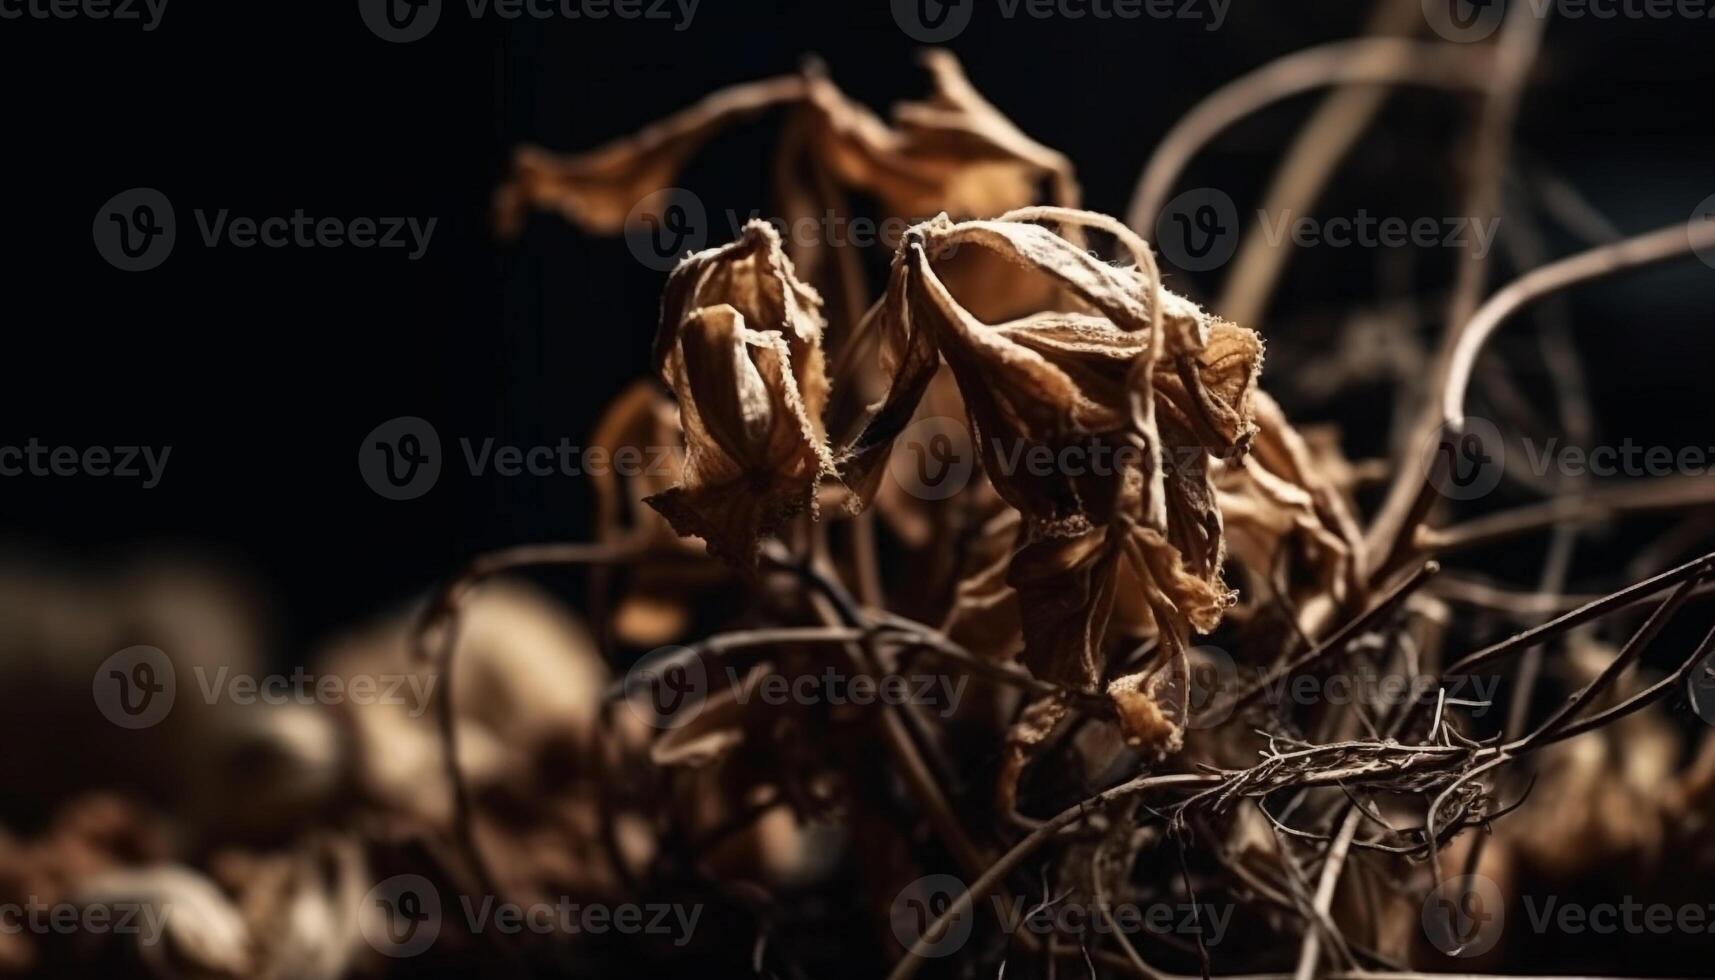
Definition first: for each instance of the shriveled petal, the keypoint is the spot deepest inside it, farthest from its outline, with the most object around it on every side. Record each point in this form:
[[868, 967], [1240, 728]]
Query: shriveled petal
[[1208, 392], [1277, 504], [1065, 589], [985, 614]]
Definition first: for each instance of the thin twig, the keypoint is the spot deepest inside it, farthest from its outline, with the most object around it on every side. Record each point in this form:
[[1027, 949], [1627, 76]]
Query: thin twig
[[445, 610], [1583, 614], [1334, 644]]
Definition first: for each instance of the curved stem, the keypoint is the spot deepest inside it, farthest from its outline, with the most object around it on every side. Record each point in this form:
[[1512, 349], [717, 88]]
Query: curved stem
[[1377, 61], [444, 609], [1409, 499], [1672, 242], [1325, 139]]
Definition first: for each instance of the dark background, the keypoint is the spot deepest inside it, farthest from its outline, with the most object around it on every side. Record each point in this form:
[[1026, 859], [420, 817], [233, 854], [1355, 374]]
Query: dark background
[[264, 368]]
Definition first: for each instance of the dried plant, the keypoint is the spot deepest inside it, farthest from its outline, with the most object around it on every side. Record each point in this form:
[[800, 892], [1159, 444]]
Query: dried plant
[[777, 542]]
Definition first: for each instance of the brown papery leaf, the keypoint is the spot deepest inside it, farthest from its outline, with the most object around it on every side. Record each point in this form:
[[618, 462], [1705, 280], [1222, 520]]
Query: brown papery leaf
[[718, 728], [598, 189], [954, 152], [740, 346]]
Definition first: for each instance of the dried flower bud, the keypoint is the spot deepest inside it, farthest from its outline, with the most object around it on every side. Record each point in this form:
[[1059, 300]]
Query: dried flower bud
[[1060, 381], [740, 345]]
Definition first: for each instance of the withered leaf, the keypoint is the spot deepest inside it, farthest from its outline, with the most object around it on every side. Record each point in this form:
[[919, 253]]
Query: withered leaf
[[596, 190], [953, 152]]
